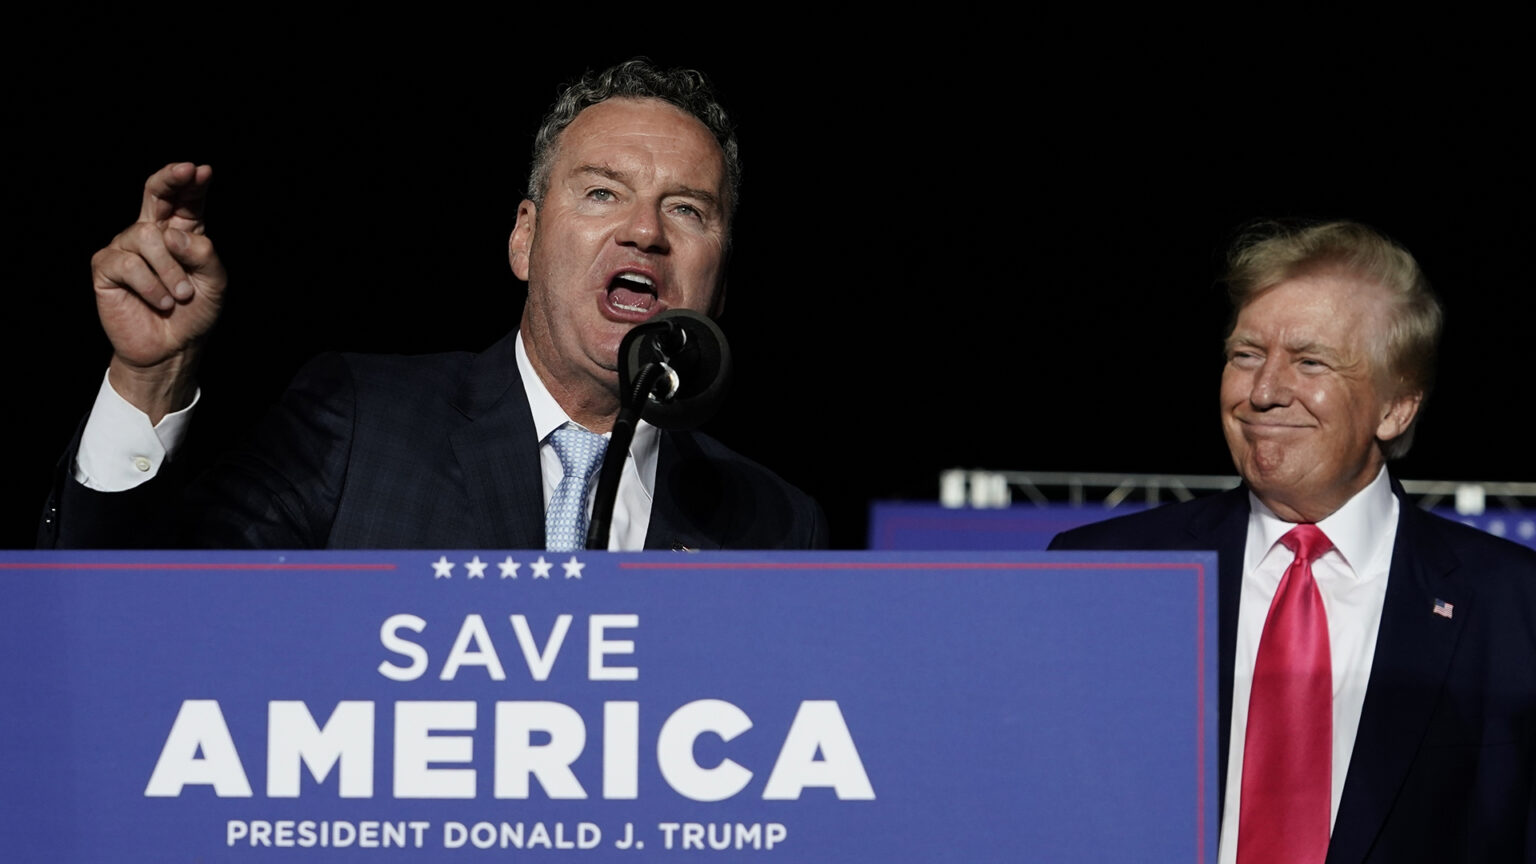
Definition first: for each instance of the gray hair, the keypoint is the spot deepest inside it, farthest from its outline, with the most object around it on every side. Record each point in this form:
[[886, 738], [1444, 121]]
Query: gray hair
[[687, 89], [1269, 253]]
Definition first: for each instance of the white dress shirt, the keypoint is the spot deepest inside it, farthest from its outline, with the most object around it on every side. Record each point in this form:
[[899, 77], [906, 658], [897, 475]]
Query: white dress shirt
[[120, 449], [1352, 578], [637, 485]]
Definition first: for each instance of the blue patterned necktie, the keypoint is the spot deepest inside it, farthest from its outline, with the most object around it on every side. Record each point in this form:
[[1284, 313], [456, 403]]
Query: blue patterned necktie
[[581, 453]]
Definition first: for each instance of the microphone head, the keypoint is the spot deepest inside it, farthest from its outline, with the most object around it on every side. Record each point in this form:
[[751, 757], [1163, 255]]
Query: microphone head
[[692, 347]]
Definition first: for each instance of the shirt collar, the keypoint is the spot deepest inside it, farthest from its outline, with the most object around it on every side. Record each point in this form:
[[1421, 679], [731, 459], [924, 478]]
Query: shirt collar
[[549, 416], [1359, 530]]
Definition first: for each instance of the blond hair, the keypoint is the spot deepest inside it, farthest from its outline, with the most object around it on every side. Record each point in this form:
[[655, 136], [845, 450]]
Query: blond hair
[[1269, 253]]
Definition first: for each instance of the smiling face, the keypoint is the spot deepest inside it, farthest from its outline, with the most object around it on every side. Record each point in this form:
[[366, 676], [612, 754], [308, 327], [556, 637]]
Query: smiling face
[[1302, 401], [633, 223]]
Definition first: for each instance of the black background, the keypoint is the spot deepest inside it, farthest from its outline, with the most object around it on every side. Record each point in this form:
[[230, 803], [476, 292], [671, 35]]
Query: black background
[[953, 249]]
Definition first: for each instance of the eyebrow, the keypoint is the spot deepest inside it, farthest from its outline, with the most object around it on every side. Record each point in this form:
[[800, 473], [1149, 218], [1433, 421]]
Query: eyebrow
[[614, 174], [603, 171], [1311, 348], [1317, 349], [1237, 339]]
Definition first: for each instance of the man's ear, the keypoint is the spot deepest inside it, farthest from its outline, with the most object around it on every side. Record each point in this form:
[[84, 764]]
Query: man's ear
[[521, 241], [1399, 416]]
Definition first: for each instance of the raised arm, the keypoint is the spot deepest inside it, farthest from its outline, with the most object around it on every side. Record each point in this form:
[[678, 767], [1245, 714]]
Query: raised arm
[[159, 285]]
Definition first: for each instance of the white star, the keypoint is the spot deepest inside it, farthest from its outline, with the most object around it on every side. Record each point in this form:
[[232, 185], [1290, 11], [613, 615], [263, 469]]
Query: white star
[[476, 568], [541, 568], [573, 568], [509, 568], [442, 568]]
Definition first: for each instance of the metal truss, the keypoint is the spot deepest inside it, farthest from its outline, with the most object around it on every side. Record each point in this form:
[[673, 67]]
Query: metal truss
[[983, 488]]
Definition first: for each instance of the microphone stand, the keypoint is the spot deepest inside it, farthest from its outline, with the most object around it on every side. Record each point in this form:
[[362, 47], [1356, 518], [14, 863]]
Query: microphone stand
[[677, 363], [631, 406]]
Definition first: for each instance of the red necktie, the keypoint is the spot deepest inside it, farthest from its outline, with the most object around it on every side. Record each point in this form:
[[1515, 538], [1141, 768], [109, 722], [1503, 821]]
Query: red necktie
[[1288, 751]]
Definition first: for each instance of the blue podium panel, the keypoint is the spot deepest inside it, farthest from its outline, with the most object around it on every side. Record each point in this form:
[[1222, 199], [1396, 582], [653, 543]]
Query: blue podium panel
[[465, 705]]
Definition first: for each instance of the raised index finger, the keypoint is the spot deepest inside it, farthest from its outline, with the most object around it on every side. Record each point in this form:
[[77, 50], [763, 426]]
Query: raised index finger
[[174, 195]]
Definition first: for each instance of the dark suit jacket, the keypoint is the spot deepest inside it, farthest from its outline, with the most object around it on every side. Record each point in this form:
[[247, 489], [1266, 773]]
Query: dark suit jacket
[[418, 452], [1444, 766]]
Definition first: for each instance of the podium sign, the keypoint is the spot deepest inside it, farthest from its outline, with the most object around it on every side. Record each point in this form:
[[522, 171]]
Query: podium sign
[[458, 705]]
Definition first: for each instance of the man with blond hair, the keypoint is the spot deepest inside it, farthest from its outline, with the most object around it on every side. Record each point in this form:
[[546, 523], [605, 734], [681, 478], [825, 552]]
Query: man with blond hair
[[1377, 663]]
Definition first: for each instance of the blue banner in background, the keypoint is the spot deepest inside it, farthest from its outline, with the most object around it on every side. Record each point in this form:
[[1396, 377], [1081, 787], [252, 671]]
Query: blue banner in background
[[897, 525], [799, 707], [1516, 525]]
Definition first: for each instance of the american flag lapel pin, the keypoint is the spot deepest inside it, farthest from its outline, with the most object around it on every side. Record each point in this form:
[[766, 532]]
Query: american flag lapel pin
[[1443, 609]]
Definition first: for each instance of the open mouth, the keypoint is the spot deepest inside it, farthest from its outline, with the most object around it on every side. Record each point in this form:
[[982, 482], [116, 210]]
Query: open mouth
[[632, 292]]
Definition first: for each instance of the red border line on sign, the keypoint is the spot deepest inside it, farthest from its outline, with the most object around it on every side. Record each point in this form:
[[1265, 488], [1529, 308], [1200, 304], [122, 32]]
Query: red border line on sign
[[1200, 713], [124, 565]]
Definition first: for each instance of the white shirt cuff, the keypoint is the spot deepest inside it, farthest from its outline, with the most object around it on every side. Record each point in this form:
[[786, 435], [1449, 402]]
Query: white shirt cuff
[[119, 449]]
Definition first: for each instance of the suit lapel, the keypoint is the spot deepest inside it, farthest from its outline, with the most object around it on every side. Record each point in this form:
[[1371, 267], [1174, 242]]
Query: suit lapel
[[1224, 527], [502, 477], [687, 511], [1413, 655]]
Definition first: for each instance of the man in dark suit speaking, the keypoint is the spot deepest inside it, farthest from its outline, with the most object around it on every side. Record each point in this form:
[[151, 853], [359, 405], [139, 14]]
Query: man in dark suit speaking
[[1378, 664], [629, 211]]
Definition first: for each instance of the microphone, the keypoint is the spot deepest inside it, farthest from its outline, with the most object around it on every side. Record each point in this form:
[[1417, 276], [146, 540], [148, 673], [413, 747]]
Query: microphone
[[694, 368], [673, 371]]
